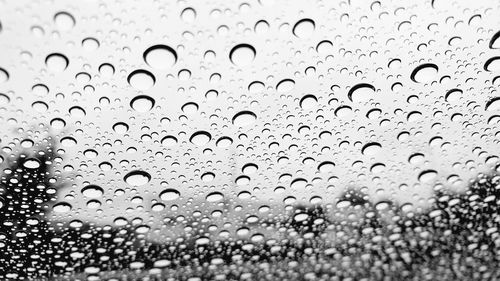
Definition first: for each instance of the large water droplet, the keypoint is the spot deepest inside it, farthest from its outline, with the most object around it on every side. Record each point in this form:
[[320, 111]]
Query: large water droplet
[[120, 128], [169, 141], [326, 166], [200, 138], [32, 163], [308, 101], [56, 62], [492, 64], [424, 73], [4, 75], [427, 176], [137, 178], [141, 79], [214, 197], [371, 149], [493, 104], [224, 142], [92, 191], [304, 28], [64, 21], [453, 95], [244, 118], [160, 56], [285, 85], [169, 194], [361, 92], [242, 54], [495, 42], [61, 207], [142, 103]]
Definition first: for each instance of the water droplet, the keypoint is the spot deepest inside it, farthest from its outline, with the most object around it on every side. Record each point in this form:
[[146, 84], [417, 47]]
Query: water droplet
[[495, 42], [414, 116], [106, 70], [40, 106], [361, 92], [453, 95], [427, 176], [169, 141], [304, 28], [32, 163], [326, 166], [40, 90], [244, 118], [308, 102], [324, 47], [208, 177], [492, 64], [301, 217], [188, 15], [56, 62], [424, 73], [92, 191], [160, 56], [141, 79], [200, 138], [190, 108], [493, 104], [416, 158], [90, 44], [142, 103], [285, 85], [4, 75], [61, 207], [57, 123], [64, 21], [137, 178], [169, 194], [242, 54], [68, 142], [202, 240], [249, 168], [120, 128], [214, 197], [371, 149], [343, 111], [77, 112], [224, 142]]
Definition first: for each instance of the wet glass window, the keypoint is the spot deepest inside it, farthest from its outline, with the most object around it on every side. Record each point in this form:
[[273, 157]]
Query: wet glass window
[[249, 140]]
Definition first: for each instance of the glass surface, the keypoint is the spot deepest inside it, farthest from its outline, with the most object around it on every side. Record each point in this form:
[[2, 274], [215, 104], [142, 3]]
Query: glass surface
[[249, 140]]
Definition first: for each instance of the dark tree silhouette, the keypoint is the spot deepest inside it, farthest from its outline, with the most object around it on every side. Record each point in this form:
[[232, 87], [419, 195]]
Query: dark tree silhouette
[[456, 239]]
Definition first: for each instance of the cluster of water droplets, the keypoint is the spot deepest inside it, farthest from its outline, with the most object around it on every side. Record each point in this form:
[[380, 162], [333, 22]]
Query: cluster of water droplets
[[211, 117]]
